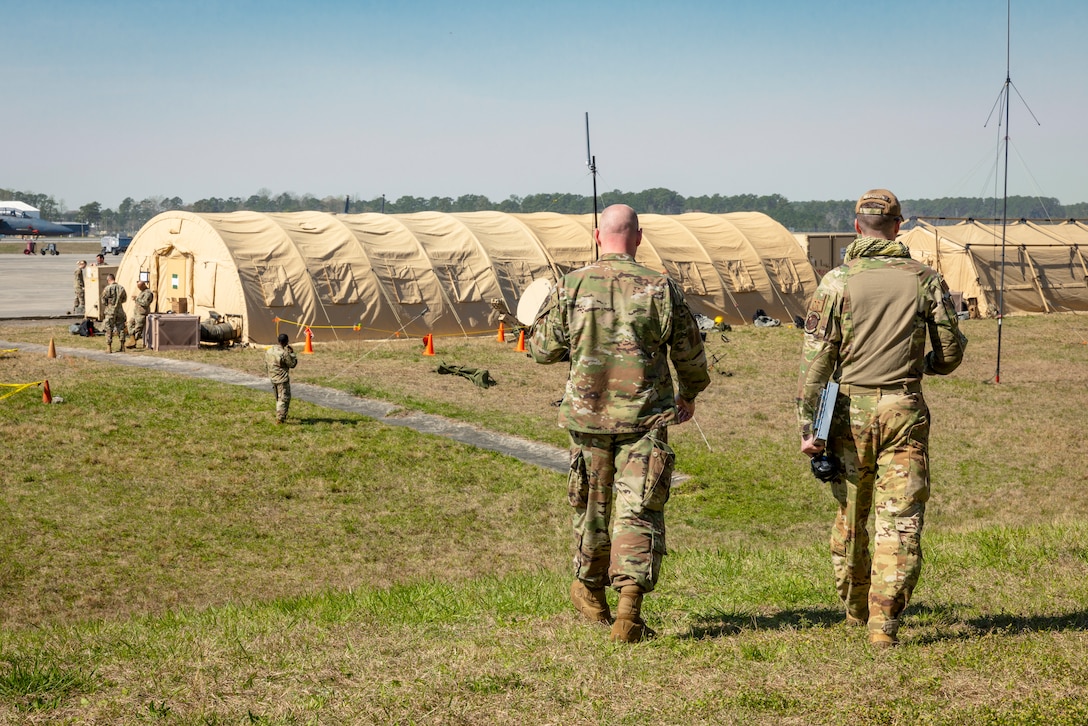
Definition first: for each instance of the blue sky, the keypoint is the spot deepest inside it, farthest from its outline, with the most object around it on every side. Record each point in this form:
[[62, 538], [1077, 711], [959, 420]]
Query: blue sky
[[810, 100]]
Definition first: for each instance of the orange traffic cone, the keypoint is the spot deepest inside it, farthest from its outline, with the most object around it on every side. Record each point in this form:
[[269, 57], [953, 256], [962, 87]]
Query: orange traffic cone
[[428, 344], [47, 397], [309, 341], [52, 350], [521, 341], [502, 333]]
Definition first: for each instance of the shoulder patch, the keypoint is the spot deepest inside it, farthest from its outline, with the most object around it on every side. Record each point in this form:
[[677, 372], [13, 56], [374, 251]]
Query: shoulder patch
[[812, 322], [818, 304]]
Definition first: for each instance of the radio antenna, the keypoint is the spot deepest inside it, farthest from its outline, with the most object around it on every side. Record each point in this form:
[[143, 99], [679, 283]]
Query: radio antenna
[[591, 162], [1003, 103]]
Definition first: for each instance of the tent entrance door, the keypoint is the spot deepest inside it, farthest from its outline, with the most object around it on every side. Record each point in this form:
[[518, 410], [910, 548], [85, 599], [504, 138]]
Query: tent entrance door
[[174, 283]]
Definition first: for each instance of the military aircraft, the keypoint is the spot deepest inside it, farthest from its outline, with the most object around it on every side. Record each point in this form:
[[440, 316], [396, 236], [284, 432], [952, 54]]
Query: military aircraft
[[13, 221]]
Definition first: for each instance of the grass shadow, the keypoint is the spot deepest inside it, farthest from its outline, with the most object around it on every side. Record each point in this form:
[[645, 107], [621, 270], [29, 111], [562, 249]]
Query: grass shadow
[[954, 627], [322, 420], [714, 625]]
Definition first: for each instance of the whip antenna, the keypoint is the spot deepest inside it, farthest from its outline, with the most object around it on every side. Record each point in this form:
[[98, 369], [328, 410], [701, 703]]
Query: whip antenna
[[591, 162]]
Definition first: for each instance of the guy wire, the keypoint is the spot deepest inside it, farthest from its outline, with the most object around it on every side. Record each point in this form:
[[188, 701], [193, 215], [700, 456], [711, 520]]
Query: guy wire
[[394, 334]]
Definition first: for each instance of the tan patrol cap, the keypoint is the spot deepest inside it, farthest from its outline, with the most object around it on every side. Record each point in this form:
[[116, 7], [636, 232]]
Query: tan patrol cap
[[879, 201]]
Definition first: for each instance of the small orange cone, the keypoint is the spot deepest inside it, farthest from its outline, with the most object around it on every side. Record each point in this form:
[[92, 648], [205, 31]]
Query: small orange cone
[[309, 341], [52, 350], [502, 333], [521, 341], [428, 343], [47, 397]]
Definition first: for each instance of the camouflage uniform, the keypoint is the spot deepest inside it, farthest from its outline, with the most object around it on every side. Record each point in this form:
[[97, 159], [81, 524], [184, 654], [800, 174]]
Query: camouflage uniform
[[280, 360], [867, 327], [141, 310], [113, 314], [620, 323], [80, 289]]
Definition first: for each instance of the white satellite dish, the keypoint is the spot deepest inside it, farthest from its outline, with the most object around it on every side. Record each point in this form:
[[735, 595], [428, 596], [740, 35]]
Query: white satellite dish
[[532, 300]]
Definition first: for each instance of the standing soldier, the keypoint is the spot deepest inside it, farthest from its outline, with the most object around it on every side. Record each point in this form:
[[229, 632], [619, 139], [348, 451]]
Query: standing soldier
[[141, 310], [279, 360], [81, 288], [113, 314], [866, 328], [620, 323]]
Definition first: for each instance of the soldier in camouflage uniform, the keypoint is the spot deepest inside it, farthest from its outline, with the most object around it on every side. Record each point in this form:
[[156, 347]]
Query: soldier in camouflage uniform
[[866, 328], [113, 314], [141, 309], [279, 360], [620, 323], [81, 288]]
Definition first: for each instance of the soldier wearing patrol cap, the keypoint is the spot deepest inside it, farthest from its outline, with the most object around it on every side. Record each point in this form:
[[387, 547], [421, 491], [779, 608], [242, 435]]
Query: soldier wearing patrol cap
[[866, 328], [620, 324]]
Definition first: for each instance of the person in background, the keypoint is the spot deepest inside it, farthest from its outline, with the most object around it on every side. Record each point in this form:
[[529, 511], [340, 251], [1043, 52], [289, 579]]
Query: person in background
[[279, 360], [113, 314], [80, 304], [141, 309]]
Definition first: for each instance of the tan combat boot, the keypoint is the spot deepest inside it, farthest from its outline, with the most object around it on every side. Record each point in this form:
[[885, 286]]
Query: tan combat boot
[[592, 604], [109, 347], [886, 637], [628, 626]]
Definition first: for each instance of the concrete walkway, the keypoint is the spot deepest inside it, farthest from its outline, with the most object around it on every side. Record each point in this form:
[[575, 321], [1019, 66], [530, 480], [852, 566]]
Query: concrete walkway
[[542, 455]]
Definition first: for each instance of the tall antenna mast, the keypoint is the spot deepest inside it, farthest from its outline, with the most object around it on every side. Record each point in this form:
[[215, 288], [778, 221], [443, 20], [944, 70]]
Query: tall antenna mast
[[591, 162], [1005, 190], [1005, 97]]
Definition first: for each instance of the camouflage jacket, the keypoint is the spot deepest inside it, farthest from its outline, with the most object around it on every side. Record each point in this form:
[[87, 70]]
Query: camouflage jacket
[[113, 297], [79, 283], [868, 322], [143, 302], [621, 323], [279, 361]]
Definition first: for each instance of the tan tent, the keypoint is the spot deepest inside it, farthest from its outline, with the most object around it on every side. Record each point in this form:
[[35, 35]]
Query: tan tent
[[1045, 269], [378, 275]]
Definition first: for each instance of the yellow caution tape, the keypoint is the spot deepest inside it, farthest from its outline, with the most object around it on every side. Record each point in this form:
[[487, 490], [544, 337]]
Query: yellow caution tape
[[17, 387]]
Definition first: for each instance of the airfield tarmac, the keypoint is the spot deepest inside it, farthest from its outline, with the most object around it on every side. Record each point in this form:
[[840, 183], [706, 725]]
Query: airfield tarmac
[[36, 286]]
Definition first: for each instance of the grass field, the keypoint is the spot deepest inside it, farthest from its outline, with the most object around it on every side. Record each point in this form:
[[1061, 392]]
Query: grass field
[[168, 555]]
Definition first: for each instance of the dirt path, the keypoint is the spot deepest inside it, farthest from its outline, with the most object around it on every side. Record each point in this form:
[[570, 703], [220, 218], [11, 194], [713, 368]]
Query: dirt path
[[542, 455]]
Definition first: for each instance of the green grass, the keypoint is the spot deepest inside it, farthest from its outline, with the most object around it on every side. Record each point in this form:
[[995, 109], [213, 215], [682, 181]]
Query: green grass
[[169, 556]]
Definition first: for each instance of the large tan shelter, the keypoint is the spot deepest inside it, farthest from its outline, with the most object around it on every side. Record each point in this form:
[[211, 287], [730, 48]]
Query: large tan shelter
[[1044, 264], [378, 275]]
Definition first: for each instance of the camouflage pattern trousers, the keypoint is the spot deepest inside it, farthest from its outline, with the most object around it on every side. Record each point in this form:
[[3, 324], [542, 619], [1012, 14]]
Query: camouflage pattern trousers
[[136, 327], [882, 443], [115, 324], [283, 399], [618, 486]]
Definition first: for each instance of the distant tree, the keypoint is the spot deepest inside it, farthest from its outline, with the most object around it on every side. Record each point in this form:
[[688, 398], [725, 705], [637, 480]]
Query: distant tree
[[472, 203], [124, 213], [210, 205], [406, 205], [91, 213]]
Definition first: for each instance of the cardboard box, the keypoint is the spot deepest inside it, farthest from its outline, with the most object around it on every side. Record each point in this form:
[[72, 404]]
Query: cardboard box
[[179, 305]]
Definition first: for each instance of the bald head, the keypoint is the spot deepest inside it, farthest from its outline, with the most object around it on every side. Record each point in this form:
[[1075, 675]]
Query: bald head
[[617, 230]]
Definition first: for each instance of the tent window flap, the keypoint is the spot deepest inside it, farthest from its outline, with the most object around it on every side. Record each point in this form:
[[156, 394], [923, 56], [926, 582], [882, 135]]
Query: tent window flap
[[336, 284], [275, 286]]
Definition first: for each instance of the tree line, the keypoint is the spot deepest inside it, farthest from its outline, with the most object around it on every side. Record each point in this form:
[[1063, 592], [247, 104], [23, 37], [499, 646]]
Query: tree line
[[810, 216]]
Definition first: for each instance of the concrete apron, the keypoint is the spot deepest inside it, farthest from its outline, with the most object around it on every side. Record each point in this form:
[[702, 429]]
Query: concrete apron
[[542, 455]]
